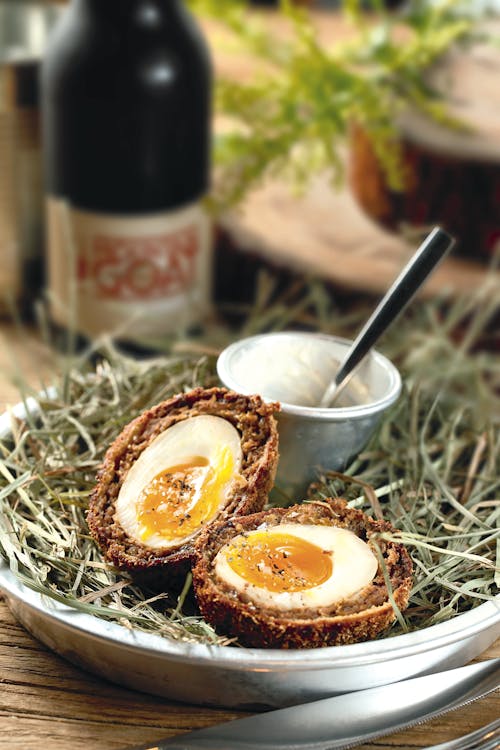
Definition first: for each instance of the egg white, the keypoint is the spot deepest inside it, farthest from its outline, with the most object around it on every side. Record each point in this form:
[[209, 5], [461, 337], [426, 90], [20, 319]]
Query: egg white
[[354, 567], [204, 436]]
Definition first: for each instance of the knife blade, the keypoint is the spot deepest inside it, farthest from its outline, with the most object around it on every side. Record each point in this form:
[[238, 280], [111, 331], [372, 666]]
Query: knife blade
[[346, 720]]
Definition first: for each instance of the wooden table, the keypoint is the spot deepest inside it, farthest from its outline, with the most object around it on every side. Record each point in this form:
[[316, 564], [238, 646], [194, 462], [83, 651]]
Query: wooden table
[[46, 702]]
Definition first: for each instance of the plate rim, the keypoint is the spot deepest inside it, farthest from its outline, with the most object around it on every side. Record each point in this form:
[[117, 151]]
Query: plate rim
[[463, 626]]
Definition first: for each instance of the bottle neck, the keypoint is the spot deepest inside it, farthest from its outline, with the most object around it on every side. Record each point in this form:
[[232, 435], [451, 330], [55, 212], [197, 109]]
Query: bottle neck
[[146, 10]]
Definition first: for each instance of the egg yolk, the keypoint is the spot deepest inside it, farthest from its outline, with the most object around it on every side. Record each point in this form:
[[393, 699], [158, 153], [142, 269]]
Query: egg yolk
[[279, 562], [179, 500]]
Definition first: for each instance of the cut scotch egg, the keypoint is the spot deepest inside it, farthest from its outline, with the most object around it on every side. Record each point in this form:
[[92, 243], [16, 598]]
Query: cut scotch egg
[[296, 566], [180, 482], [173, 471], [301, 577]]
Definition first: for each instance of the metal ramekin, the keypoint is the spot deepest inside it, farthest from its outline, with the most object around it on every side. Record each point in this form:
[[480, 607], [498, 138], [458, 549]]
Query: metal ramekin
[[314, 439]]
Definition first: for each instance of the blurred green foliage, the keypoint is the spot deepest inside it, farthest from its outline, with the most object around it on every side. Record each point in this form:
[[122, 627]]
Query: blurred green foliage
[[294, 118]]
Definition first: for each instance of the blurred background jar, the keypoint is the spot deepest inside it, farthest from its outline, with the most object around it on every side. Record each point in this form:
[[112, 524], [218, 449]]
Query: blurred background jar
[[24, 29], [450, 172]]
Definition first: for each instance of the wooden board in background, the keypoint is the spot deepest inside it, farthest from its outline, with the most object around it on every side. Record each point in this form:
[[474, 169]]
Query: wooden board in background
[[326, 234]]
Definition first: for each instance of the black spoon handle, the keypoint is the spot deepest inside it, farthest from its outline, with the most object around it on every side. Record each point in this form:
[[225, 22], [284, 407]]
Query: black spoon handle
[[434, 248]]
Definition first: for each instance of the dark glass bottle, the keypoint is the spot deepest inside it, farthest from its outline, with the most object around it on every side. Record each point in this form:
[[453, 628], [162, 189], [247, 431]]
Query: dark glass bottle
[[126, 99]]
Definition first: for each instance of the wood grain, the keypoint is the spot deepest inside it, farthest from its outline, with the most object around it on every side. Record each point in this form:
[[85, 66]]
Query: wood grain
[[325, 234], [44, 699]]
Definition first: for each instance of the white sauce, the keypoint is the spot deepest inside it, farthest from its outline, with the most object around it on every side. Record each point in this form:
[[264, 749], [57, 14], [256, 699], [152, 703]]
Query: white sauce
[[293, 370]]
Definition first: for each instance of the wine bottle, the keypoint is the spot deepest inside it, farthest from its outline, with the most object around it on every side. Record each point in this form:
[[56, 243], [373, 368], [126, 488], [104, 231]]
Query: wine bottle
[[126, 106]]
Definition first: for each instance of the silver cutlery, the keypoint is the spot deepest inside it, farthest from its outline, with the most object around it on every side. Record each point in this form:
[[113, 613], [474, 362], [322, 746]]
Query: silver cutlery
[[347, 720]]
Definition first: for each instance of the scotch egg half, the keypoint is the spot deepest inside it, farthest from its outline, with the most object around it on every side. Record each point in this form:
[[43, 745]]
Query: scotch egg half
[[296, 566], [180, 482]]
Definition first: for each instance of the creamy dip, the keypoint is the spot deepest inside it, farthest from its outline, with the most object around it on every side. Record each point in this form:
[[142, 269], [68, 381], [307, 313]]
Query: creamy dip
[[294, 370]]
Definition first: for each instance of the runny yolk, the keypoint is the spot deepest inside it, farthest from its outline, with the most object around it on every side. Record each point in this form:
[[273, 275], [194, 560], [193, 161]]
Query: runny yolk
[[179, 500], [279, 562]]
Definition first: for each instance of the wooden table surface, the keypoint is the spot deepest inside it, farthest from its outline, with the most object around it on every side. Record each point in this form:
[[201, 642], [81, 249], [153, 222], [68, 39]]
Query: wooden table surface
[[47, 703]]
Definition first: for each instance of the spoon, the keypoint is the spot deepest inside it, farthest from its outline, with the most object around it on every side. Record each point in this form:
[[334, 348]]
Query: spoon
[[433, 249]]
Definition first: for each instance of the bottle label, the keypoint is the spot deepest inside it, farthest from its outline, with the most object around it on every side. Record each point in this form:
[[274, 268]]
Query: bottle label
[[133, 276]]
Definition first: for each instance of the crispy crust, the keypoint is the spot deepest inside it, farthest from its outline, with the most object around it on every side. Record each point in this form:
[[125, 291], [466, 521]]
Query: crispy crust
[[256, 424], [358, 618]]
